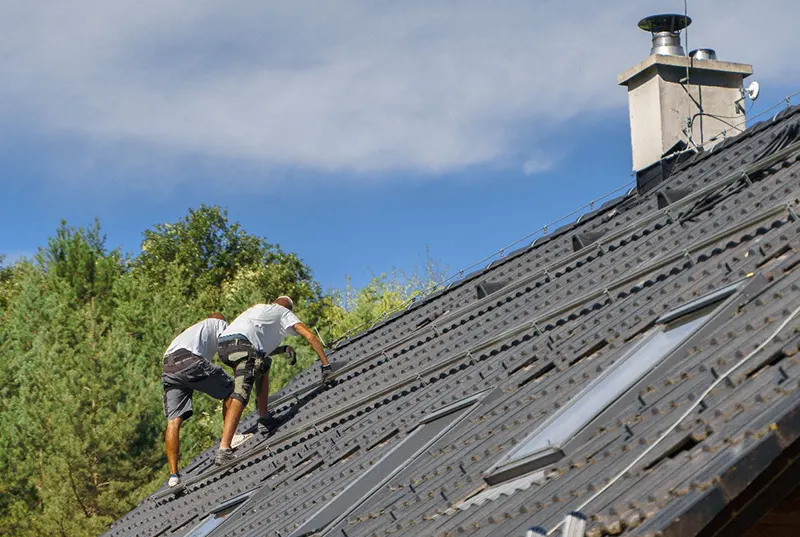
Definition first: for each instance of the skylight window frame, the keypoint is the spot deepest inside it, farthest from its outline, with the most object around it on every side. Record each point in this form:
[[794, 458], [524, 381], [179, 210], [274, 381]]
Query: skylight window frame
[[466, 406], [726, 301], [239, 501]]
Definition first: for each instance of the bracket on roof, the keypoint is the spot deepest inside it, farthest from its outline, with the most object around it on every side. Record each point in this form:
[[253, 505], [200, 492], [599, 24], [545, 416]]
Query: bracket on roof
[[792, 214]]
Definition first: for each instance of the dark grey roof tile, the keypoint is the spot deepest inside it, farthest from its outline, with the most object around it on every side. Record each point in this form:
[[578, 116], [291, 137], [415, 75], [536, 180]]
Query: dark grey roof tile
[[401, 371]]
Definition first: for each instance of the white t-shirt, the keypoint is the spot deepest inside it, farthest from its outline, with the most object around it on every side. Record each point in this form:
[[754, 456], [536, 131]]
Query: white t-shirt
[[199, 339], [264, 325]]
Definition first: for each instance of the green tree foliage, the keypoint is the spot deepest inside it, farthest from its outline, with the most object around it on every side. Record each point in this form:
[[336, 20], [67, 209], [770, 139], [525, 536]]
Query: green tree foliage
[[82, 332]]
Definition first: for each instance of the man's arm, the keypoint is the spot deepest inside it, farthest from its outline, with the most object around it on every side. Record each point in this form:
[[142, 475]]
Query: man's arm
[[303, 330]]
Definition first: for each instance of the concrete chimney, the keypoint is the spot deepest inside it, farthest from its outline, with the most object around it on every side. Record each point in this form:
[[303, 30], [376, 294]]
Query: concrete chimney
[[674, 98]]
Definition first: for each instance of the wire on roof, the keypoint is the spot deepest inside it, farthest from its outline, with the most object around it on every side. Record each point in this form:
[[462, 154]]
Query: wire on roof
[[499, 254], [787, 101]]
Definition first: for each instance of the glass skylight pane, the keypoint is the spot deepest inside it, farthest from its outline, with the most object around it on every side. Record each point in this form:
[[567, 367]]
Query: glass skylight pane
[[214, 520], [602, 392], [364, 486]]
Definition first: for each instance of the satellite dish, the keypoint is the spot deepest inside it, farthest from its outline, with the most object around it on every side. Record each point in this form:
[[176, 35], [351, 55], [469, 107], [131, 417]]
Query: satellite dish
[[753, 90]]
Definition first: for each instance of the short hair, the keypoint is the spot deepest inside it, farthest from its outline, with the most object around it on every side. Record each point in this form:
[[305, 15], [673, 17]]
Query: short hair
[[217, 315], [285, 301]]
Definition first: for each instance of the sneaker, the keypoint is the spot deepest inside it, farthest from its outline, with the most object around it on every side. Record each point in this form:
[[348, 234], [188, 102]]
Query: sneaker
[[224, 456], [175, 482]]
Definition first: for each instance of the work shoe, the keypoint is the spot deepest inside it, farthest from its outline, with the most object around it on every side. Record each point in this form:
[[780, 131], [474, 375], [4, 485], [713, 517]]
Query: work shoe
[[224, 456]]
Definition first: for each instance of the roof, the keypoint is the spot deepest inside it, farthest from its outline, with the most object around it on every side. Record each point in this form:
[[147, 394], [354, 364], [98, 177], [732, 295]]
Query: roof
[[555, 317]]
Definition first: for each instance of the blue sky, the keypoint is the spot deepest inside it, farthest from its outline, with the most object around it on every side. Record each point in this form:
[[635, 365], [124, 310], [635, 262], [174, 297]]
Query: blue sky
[[358, 137]]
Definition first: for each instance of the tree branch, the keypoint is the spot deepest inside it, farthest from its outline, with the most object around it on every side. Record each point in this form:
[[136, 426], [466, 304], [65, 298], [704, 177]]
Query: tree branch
[[75, 490]]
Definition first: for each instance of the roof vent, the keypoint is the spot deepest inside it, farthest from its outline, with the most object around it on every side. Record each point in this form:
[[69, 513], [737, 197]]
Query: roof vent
[[703, 54], [485, 289], [666, 33], [582, 240]]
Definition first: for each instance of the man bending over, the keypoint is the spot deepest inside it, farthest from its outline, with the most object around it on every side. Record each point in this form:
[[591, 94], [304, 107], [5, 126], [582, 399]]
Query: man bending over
[[246, 346], [188, 367]]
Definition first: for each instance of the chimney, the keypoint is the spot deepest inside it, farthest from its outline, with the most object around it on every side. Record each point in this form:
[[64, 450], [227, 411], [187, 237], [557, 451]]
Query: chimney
[[678, 101]]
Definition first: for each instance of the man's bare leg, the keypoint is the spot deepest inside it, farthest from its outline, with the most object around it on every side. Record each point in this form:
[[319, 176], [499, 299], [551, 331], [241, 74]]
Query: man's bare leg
[[232, 417], [262, 401], [173, 441], [226, 404]]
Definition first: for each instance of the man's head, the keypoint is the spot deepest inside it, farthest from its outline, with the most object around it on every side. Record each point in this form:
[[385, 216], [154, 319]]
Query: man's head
[[284, 301], [217, 315]]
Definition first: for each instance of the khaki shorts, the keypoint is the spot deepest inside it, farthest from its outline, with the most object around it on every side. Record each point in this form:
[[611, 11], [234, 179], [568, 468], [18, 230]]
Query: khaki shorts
[[248, 364]]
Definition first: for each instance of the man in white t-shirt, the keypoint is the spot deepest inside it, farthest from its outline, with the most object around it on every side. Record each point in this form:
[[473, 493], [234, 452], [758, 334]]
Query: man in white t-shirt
[[246, 346], [187, 367]]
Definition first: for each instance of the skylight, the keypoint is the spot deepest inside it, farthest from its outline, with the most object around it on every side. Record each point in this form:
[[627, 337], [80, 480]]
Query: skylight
[[430, 430], [546, 444], [217, 517]]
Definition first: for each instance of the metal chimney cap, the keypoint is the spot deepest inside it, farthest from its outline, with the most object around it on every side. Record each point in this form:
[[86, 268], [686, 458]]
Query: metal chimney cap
[[703, 54], [665, 23]]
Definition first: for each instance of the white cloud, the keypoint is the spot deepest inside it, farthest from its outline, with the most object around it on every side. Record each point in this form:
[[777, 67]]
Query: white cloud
[[353, 86], [540, 162]]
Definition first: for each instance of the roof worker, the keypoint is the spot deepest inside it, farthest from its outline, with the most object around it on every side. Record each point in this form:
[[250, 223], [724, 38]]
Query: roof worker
[[187, 367], [247, 346]]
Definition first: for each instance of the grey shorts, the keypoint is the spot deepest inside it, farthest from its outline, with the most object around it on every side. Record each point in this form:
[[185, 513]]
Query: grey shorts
[[200, 375]]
